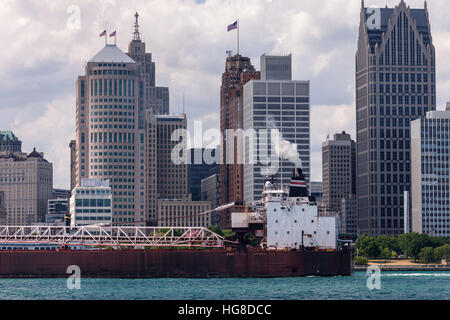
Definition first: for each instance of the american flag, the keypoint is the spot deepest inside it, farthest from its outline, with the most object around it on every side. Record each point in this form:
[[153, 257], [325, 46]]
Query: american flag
[[113, 34], [232, 26], [103, 33]]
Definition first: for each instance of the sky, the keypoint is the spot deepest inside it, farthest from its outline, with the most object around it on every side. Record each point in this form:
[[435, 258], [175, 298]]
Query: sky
[[45, 44]]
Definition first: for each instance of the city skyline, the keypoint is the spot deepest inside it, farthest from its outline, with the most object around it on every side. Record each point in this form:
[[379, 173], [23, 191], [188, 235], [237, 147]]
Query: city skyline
[[322, 46]]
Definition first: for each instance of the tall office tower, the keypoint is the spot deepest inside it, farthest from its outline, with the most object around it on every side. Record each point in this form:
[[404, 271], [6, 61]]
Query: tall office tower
[[276, 67], [9, 142], [238, 71], [210, 190], [430, 176], [275, 104], [110, 145], [198, 169], [395, 83], [349, 216], [338, 170], [27, 183], [151, 97], [172, 177], [151, 167], [73, 164]]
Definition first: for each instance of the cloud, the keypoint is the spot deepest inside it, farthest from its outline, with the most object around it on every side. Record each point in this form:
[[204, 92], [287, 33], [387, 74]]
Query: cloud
[[41, 58]]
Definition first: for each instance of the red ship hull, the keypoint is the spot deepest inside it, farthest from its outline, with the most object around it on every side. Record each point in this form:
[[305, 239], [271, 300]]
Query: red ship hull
[[175, 263]]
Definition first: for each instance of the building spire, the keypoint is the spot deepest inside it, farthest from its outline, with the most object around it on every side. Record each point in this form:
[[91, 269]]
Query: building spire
[[136, 36]]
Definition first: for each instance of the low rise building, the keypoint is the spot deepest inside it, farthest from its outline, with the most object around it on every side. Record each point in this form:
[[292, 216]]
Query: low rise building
[[184, 213], [58, 211], [91, 203]]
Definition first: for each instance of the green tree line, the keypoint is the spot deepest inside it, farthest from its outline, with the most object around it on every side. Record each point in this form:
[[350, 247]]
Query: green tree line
[[416, 246]]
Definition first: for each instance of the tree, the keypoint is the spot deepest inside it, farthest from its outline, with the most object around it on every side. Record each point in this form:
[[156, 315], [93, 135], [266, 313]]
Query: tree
[[372, 250], [216, 229], [251, 240], [228, 234], [361, 261], [386, 254], [427, 255], [442, 252]]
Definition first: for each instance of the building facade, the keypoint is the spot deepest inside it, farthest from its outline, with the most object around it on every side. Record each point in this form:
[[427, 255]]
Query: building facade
[[338, 170], [430, 174], [2, 209], [110, 144], [26, 181], [276, 67], [210, 190], [199, 169], [172, 177], [316, 190], [349, 216], [73, 164], [9, 142], [184, 213], [283, 106], [395, 84], [91, 203], [238, 71], [58, 211]]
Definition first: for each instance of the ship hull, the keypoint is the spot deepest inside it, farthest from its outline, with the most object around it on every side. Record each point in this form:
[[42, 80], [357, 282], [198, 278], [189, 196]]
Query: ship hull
[[175, 263]]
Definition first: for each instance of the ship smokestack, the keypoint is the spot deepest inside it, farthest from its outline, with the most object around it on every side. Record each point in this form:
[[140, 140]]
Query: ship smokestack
[[298, 186]]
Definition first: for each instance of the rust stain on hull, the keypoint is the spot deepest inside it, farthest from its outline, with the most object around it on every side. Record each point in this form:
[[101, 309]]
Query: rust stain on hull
[[175, 263]]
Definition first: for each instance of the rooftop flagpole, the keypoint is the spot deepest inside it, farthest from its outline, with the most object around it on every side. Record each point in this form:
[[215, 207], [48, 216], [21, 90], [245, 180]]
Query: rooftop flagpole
[[238, 36]]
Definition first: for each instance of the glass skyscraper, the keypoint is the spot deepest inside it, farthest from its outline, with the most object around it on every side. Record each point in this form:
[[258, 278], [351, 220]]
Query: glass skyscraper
[[395, 84]]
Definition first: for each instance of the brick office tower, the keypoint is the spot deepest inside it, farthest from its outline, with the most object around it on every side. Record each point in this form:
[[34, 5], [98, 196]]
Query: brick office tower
[[395, 84], [238, 71]]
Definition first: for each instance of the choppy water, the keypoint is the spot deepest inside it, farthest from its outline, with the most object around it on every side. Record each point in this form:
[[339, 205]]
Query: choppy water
[[394, 286]]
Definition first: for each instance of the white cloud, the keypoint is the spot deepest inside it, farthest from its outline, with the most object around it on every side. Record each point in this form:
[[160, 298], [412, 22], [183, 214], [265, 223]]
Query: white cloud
[[41, 58]]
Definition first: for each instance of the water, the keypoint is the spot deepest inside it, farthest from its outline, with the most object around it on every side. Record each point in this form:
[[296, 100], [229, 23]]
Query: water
[[394, 286]]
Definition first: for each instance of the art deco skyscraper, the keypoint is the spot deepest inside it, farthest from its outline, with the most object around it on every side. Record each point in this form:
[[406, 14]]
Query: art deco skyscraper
[[238, 71], [395, 84], [151, 97]]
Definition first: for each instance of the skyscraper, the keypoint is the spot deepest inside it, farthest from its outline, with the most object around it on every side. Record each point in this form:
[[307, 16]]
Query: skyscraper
[[109, 142], [73, 164], [151, 97], [275, 104], [338, 170], [238, 71], [430, 175], [172, 177], [395, 83], [198, 169]]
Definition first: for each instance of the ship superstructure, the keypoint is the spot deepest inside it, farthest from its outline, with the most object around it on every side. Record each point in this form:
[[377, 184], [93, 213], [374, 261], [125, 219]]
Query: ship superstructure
[[293, 219]]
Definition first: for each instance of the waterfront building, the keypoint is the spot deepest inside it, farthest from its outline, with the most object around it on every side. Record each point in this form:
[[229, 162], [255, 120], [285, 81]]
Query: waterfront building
[[91, 203], [274, 104], [395, 84], [430, 174], [60, 194], [316, 190], [184, 213], [199, 169], [172, 177], [338, 170], [210, 190], [151, 97], [349, 215], [26, 181], [9, 142]]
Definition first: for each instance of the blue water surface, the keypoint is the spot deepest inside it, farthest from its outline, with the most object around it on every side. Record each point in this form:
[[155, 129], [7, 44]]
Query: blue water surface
[[394, 286]]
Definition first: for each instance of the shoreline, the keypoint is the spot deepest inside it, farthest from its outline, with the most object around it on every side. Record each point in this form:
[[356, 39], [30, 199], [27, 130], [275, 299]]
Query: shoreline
[[404, 268]]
